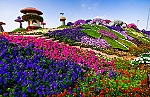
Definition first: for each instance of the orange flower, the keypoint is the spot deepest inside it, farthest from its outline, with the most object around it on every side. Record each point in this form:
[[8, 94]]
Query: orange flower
[[88, 93], [106, 90], [128, 81], [119, 87], [53, 95], [103, 81], [65, 91]]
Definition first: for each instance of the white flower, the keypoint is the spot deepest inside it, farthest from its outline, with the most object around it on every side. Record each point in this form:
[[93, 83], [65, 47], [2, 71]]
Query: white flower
[[142, 61], [147, 61]]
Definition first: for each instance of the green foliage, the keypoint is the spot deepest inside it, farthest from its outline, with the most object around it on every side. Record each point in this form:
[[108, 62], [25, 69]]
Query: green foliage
[[125, 42], [115, 43], [88, 26], [102, 27], [26, 17], [92, 33], [64, 26], [19, 30]]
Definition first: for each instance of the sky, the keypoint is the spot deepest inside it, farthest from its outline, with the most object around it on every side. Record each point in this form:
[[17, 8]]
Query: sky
[[128, 11]]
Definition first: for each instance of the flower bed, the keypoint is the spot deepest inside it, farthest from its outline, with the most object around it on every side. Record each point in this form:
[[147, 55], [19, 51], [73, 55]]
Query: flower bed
[[77, 72]]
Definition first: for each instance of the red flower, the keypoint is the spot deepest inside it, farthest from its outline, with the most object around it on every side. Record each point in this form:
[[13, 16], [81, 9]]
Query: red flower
[[91, 89], [137, 95], [143, 81], [74, 94], [135, 89], [83, 95], [116, 81], [90, 83], [68, 92]]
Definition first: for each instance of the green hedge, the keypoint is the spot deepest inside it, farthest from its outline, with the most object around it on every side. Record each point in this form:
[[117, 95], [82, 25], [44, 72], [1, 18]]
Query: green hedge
[[19, 30]]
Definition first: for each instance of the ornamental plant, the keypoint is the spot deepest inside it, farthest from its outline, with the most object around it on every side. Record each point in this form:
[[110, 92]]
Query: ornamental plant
[[69, 24], [88, 21], [132, 25], [97, 21]]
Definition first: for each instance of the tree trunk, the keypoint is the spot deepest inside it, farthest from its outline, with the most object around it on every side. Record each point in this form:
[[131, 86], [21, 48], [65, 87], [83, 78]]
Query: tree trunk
[[1, 28]]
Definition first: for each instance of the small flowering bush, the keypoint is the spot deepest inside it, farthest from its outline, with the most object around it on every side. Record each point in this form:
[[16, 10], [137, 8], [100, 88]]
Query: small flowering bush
[[79, 22], [132, 25], [97, 21], [88, 21], [69, 24]]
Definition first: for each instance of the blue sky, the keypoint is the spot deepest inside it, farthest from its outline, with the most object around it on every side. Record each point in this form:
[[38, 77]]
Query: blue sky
[[128, 11]]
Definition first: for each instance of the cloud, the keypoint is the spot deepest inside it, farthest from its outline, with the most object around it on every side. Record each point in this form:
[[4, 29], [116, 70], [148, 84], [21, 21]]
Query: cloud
[[95, 4], [104, 16], [83, 5], [89, 8]]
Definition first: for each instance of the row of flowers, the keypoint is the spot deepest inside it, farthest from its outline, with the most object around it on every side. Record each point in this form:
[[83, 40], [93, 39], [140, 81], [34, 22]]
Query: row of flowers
[[108, 34], [98, 42], [73, 34], [27, 73], [56, 51]]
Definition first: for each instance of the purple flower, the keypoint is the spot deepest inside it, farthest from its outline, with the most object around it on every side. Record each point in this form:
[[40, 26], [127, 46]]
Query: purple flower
[[79, 22]]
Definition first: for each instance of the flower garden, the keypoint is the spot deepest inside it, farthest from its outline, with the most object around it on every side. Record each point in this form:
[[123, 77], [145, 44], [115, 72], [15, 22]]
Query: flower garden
[[38, 67]]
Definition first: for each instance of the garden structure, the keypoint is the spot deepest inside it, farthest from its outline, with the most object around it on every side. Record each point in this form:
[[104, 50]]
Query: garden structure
[[1, 28], [62, 19], [19, 20], [32, 16]]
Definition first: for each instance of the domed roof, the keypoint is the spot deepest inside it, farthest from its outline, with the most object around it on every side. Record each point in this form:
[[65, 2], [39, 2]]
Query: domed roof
[[62, 18], [1, 23], [31, 9]]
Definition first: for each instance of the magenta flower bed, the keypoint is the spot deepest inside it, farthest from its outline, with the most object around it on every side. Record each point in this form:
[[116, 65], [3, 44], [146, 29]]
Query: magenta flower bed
[[56, 51]]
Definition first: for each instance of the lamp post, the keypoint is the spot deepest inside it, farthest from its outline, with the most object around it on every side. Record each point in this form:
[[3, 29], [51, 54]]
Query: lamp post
[[137, 22], [148, 19]]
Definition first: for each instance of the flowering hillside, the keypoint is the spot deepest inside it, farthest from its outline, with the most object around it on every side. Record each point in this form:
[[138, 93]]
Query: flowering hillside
[[55, 67]]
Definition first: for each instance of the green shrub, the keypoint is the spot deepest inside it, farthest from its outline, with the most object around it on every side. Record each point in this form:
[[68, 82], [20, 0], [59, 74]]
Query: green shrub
[[19, 30]]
